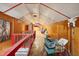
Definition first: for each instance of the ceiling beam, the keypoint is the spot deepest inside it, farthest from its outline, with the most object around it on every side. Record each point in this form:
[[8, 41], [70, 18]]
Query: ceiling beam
[[12, 7], [55, 11]]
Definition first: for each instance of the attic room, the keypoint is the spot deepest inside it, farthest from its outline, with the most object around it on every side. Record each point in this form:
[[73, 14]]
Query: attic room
[[39, 29]]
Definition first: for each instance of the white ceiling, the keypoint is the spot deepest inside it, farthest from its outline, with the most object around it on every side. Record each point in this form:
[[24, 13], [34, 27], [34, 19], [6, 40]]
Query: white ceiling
[[69, 9], [44, 14], [5, 6]]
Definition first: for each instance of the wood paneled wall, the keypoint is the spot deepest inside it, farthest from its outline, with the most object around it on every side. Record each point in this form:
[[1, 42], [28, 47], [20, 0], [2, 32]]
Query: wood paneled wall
[[58, 29], [16, 26], [76, 39]]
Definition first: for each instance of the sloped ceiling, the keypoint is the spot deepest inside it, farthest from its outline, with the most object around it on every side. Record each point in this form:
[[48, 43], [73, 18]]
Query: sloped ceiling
[[5, 6], [69, 9], [27, 11]]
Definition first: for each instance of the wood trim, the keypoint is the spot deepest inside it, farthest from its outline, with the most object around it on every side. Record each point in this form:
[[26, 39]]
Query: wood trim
[[71, 39]]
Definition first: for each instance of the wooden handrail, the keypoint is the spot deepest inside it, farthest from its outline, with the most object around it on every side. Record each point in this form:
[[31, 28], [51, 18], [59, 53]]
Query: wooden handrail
[[11, 51]]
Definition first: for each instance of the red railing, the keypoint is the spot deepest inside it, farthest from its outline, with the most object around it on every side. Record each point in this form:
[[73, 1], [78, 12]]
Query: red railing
[[18, 41]]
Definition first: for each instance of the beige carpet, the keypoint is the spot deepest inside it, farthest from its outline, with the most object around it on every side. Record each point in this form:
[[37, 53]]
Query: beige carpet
[[38, 45]]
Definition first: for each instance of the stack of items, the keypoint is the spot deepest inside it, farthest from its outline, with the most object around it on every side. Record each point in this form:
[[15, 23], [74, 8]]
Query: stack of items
[[61, 43], [50, 46], [22, 52], [60, 47], [53, 46]]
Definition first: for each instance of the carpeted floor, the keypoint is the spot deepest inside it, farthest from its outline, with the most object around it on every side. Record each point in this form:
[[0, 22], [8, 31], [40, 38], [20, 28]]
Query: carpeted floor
[[38, 45]]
